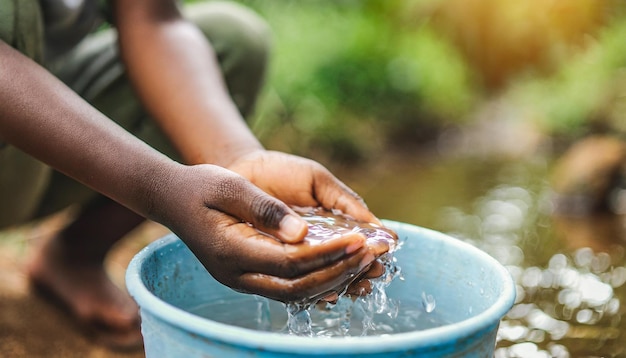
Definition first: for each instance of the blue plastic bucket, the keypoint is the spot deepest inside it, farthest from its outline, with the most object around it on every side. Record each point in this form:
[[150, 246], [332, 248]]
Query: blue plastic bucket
[[470, 287]]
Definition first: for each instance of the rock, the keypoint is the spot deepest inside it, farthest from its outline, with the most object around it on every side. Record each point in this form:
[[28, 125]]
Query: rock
[[590, 177]]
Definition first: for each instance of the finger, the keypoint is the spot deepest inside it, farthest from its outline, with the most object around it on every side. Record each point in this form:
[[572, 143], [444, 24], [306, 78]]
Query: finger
[[310, 287], [376, 270], [233, 194], [334, 194], [359, 288], [293, 260], [332, 298], [378, 247], [353, 282]]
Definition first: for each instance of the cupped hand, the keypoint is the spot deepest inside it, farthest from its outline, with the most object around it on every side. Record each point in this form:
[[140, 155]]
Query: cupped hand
[[299, 181], [223, 219], [302, 182]]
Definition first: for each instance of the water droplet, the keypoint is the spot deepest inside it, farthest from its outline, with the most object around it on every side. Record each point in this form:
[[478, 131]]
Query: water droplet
[[428, 301]]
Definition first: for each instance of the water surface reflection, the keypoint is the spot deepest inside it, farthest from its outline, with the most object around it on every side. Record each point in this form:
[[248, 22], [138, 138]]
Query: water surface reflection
[[570, 272]]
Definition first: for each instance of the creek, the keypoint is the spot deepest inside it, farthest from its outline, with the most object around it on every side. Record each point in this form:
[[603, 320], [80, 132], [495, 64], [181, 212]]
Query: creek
[[570, 272]]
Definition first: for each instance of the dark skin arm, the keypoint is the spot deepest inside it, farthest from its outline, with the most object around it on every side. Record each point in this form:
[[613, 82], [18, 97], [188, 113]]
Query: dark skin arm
[[176, 73], [177, 77], [204, 204]]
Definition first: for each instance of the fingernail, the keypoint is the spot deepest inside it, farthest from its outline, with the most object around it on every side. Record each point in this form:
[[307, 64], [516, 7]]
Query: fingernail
[[292, 227], [366, 260], [354, 246], [378, 247], [377, 221]]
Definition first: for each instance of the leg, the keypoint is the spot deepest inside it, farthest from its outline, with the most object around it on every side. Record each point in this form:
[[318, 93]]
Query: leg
[[23, 180], [68, 268], [242, 42]]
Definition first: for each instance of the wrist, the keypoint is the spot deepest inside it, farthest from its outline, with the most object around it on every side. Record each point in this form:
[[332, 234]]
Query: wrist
[[217, 135], [245, 162], [238, 153], [160, 191]]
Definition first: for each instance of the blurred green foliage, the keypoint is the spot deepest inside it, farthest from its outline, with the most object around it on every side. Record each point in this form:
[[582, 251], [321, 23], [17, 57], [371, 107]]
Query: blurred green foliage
[[348, 77], [586, 93]]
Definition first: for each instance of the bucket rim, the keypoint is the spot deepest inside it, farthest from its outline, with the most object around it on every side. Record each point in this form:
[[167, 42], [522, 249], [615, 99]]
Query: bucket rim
[[488, 319]]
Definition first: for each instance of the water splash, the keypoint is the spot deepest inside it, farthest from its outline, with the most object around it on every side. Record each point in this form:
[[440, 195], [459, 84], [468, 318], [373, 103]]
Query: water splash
[[298, 320], [428, 301], [370, 315]]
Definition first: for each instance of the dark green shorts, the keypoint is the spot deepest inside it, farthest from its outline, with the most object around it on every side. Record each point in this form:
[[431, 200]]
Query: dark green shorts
[[28, 188]]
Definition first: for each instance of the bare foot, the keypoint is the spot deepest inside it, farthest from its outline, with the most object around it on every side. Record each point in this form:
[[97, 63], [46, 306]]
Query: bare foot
[[86, 293]]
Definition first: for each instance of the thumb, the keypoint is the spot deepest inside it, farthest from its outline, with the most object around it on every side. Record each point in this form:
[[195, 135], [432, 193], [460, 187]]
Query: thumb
[[274, 217], [234, 195]]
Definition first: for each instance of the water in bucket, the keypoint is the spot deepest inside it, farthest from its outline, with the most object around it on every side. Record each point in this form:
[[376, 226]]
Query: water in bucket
[[462, 286], [370, 315]]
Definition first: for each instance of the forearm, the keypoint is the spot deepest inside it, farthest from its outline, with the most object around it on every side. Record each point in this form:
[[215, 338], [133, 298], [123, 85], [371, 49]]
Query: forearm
[[177, 76], [44, 118]]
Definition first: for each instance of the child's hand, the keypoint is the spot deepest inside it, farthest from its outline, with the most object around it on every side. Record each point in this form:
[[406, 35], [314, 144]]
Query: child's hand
[[301, 182], [325, 224], [213, 210], [305, 183]]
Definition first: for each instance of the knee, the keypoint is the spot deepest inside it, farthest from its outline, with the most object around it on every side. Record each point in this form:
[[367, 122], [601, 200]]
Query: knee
[[240, 37], [23, 183], [21, 26]]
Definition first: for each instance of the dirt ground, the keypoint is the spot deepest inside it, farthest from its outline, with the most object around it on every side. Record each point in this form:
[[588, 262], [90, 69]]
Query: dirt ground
[[32, 327]]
